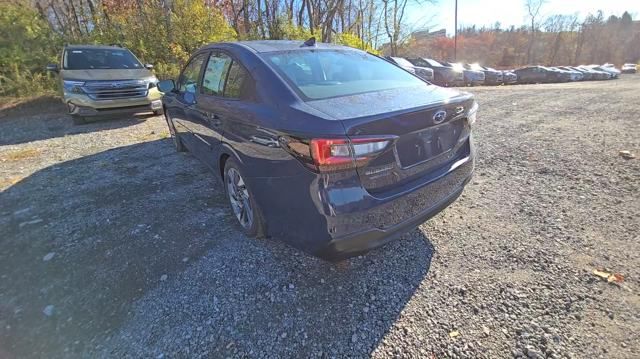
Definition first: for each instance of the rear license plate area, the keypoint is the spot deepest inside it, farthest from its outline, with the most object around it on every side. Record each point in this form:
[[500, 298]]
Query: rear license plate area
[[429, 143]]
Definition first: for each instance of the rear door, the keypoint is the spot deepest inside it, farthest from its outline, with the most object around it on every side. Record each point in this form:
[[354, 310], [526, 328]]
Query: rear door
[[228, 109]]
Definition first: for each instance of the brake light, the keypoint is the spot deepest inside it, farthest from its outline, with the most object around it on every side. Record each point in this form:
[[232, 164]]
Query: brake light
[[335, 154]]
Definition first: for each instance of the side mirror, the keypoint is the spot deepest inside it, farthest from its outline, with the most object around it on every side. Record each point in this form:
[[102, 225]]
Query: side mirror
[[148, 66], [53, 68], [166, 85]]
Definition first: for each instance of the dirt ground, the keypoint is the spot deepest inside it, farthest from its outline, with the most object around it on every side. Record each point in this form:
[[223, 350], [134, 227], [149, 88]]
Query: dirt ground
[[114, 245]]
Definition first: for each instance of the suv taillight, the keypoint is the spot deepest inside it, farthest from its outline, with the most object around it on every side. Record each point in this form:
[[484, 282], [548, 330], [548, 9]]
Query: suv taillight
[[335, 154]]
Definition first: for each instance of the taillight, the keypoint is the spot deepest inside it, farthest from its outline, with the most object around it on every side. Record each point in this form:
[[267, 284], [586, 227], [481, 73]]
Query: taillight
[[334, 154]]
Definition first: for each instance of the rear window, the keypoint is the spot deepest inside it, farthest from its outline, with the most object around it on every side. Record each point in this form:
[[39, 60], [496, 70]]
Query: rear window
[[321, 74], [87, 59]]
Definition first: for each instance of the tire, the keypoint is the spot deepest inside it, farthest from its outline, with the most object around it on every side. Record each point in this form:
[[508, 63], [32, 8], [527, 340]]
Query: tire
[[158, 112], [78, 120], [241, 201], [177, 142]]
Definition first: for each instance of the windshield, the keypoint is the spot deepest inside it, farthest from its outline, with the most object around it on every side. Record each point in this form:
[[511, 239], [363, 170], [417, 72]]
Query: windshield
[[321, 74], [86, 59]]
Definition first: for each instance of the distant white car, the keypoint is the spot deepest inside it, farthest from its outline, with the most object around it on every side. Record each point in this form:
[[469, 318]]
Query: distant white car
[[629, 69], [608, 68]]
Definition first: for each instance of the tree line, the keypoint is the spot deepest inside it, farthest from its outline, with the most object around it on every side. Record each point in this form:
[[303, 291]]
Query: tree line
[[554, 40], [165, 32]]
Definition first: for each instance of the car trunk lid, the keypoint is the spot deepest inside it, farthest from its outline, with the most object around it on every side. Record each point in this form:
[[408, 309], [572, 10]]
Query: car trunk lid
[[429, 128]]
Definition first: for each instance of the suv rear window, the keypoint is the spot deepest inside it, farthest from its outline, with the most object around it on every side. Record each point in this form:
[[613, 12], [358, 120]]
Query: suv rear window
[[322, 74], [87, 59]]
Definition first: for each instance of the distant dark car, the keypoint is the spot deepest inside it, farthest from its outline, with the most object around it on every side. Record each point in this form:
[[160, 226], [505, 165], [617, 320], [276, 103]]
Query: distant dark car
[[442, 75], [570, 74], [509, 77], [326, 147], [422, 72], [562, 75], [595, 74], [573, 74], [612, 71], [398, 62], [491, 76], [471, 77], [540, 74], [629, 69], [586, 75]]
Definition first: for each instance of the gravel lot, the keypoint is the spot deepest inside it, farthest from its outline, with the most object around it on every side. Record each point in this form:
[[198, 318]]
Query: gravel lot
[[114, 245]]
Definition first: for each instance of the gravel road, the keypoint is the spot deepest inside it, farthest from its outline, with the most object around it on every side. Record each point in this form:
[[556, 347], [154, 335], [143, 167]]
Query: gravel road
[[114, 245]]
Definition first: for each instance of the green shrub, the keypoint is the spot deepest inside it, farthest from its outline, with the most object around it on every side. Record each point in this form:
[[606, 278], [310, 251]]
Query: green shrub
[[27, 44]]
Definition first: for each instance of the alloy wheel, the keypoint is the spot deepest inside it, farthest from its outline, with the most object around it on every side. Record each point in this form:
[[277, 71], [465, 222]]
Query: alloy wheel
[[239, 198]]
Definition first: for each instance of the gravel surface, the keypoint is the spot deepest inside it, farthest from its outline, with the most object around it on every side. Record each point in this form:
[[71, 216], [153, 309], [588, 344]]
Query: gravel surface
[[114, 245]]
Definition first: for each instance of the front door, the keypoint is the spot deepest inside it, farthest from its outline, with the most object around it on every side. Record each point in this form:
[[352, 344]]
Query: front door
[[206, 118], [181, 102]]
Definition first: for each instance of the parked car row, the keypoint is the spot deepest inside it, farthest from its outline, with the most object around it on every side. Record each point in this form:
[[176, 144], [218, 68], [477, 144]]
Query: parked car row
[[544, 74], [446, 74]]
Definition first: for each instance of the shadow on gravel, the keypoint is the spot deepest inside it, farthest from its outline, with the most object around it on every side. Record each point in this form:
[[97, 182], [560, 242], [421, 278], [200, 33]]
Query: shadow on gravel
[[132, 251], [17, 128]]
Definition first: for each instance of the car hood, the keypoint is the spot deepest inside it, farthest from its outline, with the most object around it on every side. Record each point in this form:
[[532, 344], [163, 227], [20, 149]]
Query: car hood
[[375, 103], [102, 74]]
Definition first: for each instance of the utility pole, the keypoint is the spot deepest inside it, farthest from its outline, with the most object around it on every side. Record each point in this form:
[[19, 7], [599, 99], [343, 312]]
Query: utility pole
[[455, 35]]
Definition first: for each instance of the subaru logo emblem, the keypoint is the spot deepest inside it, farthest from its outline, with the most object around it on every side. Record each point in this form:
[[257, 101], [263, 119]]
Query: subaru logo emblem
[[439, 116]]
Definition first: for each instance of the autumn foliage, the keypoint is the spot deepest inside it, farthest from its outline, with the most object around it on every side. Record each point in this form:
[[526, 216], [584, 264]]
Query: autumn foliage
[[560, 40]]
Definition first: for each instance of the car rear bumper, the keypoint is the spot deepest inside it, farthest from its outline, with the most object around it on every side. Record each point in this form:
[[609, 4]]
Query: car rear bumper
[[335, 217], [82, 105], [366, 240]]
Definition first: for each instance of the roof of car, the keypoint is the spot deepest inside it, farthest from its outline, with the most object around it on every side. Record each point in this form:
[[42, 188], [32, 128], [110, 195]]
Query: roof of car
[[97, 47], [260, 46]]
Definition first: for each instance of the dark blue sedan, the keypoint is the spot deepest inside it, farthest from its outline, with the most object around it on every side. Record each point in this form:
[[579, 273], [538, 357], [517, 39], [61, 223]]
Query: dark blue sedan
[[331, 149]]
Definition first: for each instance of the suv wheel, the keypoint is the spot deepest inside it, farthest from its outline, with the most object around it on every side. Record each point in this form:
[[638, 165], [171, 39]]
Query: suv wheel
[[242, 202]]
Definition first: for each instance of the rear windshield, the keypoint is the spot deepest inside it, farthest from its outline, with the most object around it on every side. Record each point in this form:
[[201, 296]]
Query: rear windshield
[[85, 59], [321, 74]]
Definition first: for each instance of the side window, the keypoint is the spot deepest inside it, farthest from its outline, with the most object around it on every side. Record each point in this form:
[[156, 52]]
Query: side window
[[215, 74], [238, 83], [189, 76]]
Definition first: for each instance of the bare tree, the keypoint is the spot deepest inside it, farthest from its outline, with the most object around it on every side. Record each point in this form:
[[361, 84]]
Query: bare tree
[[533, 9], [393, 20]]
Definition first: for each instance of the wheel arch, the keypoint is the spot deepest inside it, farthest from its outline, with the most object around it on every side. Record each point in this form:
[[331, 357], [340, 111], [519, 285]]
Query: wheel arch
[[226, 152]]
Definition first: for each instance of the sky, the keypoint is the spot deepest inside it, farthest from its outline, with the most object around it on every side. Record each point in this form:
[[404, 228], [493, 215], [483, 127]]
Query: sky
[[508, 12]]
